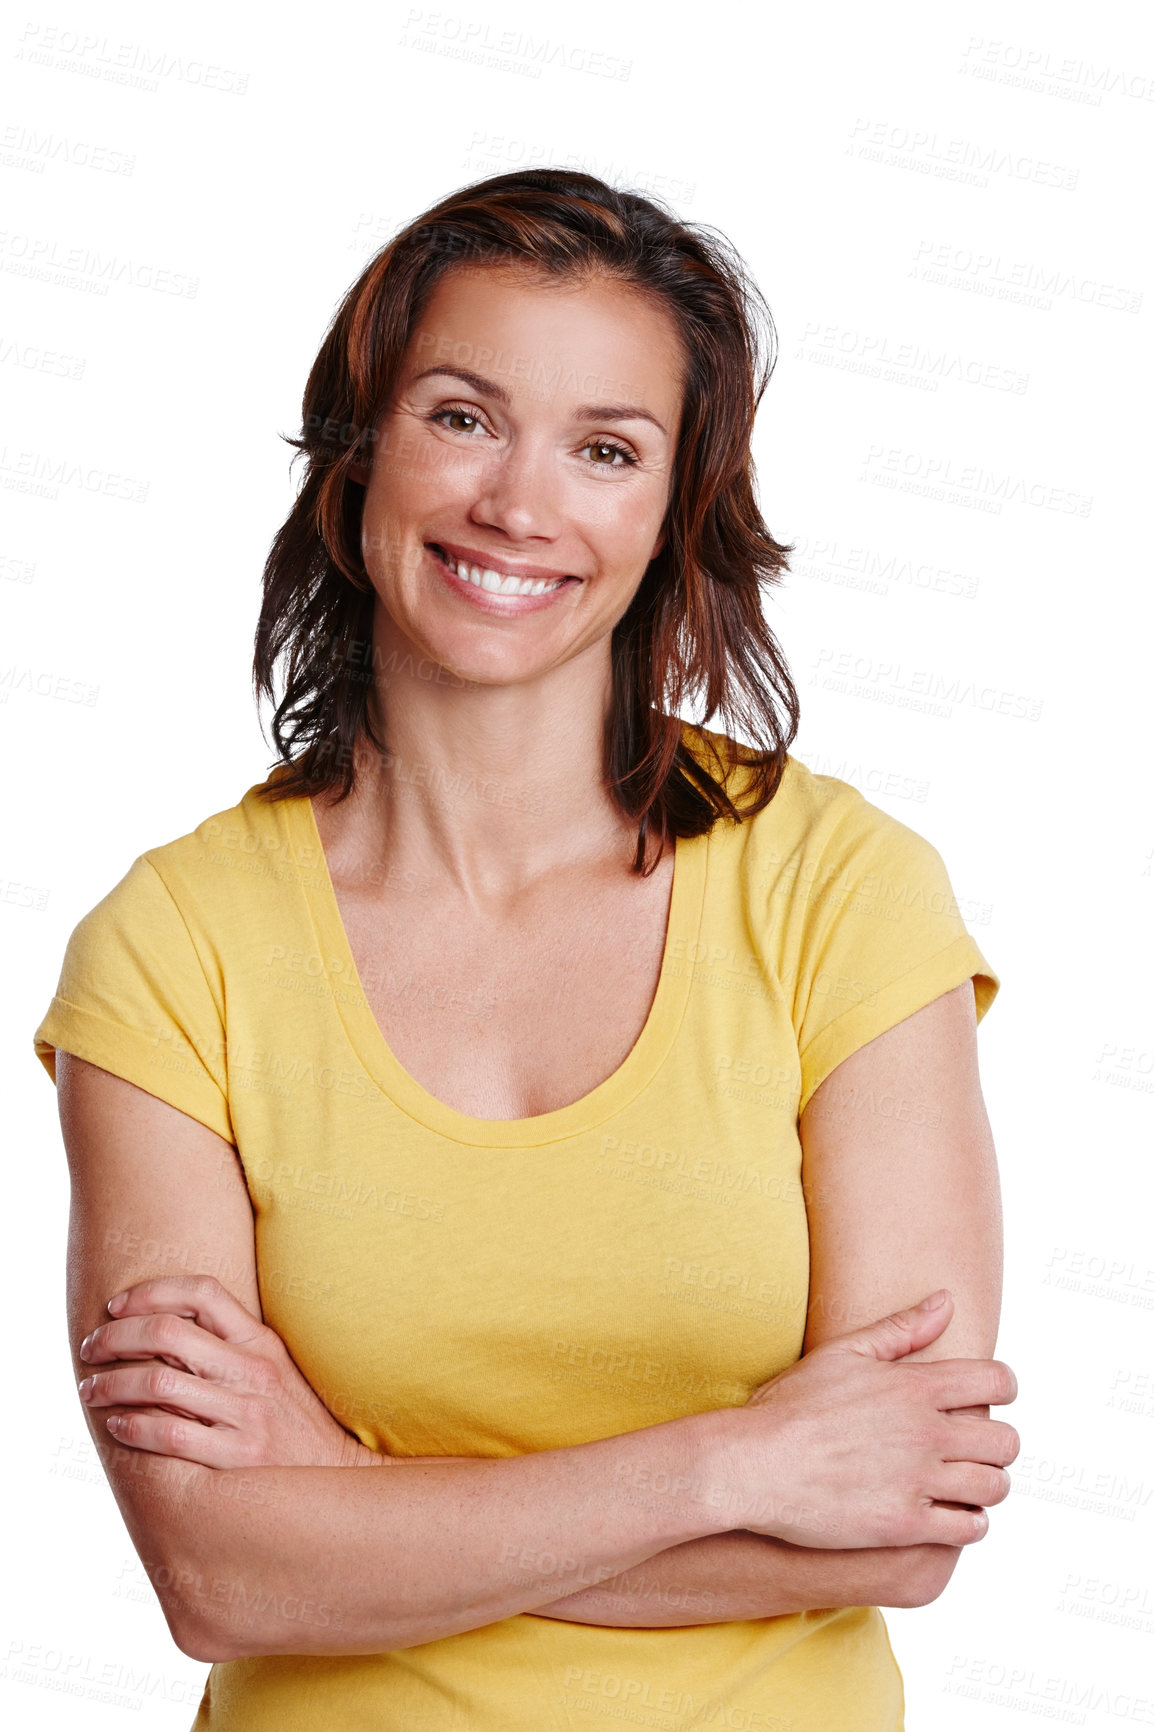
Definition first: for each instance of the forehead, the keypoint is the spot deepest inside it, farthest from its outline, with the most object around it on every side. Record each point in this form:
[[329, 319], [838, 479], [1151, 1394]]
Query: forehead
[[515, 323]]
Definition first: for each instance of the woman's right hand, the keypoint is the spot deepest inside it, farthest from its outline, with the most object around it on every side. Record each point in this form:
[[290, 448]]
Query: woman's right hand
[[855, 1446]]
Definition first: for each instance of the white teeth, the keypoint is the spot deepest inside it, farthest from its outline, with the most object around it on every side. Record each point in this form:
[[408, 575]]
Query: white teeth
[[497, 584]]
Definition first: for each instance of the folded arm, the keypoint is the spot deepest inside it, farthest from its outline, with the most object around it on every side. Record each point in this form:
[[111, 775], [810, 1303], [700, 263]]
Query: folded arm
[[274, 1559], [901, 1189], [741, 1575], [281, 1559]]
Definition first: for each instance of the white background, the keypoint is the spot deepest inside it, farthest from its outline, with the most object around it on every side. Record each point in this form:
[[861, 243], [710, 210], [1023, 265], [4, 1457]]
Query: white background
[[946, 208]]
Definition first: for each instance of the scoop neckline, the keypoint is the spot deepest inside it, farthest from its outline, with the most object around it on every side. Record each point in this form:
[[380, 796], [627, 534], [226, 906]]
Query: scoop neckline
[[385, 1070]]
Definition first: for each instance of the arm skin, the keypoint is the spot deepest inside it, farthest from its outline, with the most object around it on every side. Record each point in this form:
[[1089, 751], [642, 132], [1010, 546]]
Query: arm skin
[[156, 1193], [289, 1560], [900, 1201]]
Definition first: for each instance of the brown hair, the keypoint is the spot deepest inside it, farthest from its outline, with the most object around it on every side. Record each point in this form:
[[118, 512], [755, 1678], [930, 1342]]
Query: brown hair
[[695, 630]]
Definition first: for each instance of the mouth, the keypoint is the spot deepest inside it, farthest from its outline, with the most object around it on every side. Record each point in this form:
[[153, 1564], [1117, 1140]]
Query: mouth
[[497, 585], [495, 582]]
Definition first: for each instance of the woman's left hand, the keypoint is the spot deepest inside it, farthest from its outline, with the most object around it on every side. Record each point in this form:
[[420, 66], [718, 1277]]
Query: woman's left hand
[[220, 1387]]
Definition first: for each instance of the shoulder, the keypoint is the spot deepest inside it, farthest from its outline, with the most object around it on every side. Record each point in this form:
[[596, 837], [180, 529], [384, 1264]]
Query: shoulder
[[839, 859], [146, 977], [239, 852], [822, 813], [810, 816], [217, 867]]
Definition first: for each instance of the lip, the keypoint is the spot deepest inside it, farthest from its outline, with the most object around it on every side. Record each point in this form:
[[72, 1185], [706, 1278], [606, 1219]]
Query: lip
[[490, 562], [501, 606]]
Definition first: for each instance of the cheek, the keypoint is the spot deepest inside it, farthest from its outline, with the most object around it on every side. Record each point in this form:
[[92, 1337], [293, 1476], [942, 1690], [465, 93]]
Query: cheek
[[428, 462], [407, 464], [622, 529], [381, 539]]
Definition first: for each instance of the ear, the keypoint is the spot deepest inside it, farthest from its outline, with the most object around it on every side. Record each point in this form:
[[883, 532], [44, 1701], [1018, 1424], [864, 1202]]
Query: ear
[[660, 543], [361, 471]]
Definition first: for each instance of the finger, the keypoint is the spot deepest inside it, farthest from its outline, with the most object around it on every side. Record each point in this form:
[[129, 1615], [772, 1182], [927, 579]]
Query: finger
[[163, 1335], [972, 1482], [968, 1382], [948, 1524], [160, 1386], [200, 1297], [985, 1440], [162, 1433], [900, 1333]]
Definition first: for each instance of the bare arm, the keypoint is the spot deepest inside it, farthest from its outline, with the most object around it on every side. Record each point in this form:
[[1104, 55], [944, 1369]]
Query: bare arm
[[289, 1560], [325, 1559], [902, 1181], [743, 1575], [902, 1191]]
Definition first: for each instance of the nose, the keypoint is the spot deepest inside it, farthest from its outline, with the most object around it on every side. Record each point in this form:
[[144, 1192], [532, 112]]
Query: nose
[[518, 492]]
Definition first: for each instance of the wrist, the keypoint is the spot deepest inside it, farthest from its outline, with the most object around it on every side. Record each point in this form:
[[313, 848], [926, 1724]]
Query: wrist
[[747, 1474], [716, 1480]]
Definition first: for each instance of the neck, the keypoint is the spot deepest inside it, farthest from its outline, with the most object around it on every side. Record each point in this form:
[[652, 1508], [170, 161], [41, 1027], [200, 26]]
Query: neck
[[489, 786]]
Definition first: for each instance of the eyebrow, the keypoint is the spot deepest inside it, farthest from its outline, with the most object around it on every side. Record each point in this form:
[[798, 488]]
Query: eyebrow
[[584, 411]]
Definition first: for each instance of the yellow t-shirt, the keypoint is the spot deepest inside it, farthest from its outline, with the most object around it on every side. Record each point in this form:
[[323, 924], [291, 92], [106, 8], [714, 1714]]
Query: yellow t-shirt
[[461, 1286]]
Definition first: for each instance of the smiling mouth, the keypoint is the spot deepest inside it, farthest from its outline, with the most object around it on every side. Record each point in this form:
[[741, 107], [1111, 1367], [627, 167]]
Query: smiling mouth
[[496, 582]]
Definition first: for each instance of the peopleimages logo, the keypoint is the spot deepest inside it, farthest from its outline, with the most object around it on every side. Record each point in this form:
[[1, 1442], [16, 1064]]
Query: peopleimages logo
[[924, 689], [958, 159], [942, 478], [877, 356], [1029, 1691], [1050, 74], [1023, 282], [134, 64], [476, 40], [42, 475], [50, 260], [26, 147]]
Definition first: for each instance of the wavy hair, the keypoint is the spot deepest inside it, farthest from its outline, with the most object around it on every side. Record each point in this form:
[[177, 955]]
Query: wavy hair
[[695, 632]]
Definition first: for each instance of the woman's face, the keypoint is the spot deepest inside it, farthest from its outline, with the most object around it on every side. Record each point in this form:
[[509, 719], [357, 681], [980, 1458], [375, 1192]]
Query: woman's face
[[522, 471]]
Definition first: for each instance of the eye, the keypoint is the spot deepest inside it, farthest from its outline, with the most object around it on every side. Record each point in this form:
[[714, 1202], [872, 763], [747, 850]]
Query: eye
[[604, 451], [453, 412], [458, 420]]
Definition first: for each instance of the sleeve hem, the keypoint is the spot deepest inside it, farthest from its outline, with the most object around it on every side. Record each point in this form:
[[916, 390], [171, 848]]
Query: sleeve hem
[[863, 1022], [134, 1057]]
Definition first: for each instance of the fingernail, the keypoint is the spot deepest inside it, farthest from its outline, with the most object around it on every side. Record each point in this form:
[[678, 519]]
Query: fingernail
[[934, 1301], [85, 1389], [84, 1345], [115, 1303]]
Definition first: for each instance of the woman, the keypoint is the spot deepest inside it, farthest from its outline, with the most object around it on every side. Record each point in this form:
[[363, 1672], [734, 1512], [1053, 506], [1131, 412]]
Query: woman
[[444, 1104]]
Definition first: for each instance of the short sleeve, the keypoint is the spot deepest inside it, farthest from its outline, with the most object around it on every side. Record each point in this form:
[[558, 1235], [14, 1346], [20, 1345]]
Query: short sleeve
[[875, 935], [134, 998]]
